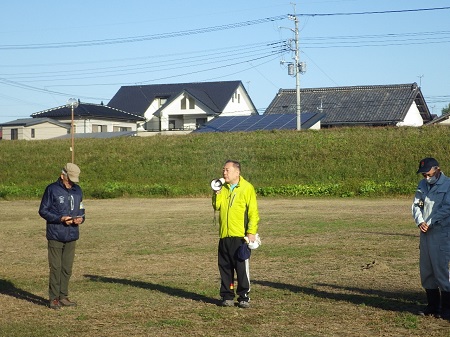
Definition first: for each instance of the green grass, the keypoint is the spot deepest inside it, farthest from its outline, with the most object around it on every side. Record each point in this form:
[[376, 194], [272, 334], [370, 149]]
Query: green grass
[[344, 162], [148, 267]]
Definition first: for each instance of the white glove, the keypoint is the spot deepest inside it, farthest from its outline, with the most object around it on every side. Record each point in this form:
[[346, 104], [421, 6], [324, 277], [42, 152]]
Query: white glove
[[253, 244]]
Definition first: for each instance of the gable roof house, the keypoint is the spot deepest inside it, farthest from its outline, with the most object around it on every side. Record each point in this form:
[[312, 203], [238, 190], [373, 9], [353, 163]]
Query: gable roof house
[[183, 106], [373, 105], [33, 129], [441, 120], [93, 118]]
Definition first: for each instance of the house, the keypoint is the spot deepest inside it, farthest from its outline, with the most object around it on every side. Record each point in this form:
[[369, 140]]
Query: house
[[93, 118], [374, 105], [441, 120], [33, 129], [262, 122], [183, 106]]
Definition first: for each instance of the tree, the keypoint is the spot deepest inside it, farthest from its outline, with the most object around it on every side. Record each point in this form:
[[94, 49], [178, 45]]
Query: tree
[[446, 110]]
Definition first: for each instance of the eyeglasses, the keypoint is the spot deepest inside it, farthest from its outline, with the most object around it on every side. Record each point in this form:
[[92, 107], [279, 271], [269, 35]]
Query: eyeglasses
[[430, 174]]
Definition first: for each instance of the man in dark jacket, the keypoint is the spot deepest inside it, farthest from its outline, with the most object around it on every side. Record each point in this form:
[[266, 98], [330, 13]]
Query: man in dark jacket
[[62, 208]]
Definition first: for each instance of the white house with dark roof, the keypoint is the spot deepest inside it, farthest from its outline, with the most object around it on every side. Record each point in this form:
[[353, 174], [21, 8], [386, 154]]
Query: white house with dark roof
[[373, 105], [93, 118], [34, 129], [183, 106]]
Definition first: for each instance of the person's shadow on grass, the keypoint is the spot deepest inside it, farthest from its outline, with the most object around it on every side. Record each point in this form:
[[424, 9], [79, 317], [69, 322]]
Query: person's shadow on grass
[[8, 288], [382, 299], [177, 292]]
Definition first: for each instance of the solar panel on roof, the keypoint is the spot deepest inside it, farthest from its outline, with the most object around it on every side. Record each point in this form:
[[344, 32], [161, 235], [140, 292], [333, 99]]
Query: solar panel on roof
[[255, 122]]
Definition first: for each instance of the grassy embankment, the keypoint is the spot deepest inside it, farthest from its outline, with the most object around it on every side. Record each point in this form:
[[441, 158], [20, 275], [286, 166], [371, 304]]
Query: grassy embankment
[[340, 162]]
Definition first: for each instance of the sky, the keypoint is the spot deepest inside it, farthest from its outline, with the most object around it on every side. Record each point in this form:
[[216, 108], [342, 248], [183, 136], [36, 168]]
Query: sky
[[51, 51]]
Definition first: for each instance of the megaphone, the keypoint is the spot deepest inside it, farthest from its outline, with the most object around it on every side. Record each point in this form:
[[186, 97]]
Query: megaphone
[[216, 184]]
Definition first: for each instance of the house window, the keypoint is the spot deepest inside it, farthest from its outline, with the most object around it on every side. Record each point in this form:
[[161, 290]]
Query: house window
[[99, 128], [184, 103], [121, 129], [33, 133], [236, 96], [200, 122], [14, 134], [161, 101]]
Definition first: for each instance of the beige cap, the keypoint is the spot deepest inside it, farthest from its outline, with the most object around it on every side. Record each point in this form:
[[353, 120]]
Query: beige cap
[[73, 172]]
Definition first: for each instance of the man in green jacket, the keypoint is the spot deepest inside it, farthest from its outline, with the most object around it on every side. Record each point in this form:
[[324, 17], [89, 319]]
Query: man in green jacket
[[238, 217]]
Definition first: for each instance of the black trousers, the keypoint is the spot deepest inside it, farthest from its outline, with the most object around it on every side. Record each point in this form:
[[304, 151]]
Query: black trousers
[[228, 265]]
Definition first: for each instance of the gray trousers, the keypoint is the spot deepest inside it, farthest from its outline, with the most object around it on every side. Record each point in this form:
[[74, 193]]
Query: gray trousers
[[435, 257], [60, 261]]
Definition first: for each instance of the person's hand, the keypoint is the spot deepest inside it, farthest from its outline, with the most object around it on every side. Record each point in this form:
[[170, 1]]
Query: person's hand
[[67, 220], [251, 237], [423, 227], [78, 220]]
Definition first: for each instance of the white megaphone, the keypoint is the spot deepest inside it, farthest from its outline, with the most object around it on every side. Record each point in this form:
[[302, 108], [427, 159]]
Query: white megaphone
[[216, 184]]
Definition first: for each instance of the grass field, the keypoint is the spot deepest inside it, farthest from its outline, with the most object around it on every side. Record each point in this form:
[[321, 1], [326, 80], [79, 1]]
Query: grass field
[[148, 267]]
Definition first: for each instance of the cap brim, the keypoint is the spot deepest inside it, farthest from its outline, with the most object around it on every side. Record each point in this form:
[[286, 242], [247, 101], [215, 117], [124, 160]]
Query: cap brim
[[424, 169]]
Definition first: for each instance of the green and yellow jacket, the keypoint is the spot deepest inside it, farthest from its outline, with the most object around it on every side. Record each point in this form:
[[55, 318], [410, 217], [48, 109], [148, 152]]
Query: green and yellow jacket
[[238, 209]]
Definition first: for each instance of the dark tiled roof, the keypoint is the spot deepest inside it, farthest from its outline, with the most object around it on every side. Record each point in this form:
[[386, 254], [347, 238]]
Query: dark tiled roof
[[88, 110], [136, 99], [34, 121], [363, 105], [260, 122]]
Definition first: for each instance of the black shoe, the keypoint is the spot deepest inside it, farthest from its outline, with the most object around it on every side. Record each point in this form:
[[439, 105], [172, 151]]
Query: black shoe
[[445, 314], [430, 311]]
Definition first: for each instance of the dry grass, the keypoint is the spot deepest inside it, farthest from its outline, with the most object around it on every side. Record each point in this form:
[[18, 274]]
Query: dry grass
[[147, 267]]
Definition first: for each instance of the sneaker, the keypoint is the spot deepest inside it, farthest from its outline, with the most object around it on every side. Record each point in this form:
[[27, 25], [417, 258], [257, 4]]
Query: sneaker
[[227, 303], [54, 304], [244, 304], [67, 303]]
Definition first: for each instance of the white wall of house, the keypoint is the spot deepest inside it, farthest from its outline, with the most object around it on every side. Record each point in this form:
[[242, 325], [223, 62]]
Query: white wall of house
[[186, 113], [100, 125], [34, 132], [315, 126], [412, 118], [183, 113], [239, 105]]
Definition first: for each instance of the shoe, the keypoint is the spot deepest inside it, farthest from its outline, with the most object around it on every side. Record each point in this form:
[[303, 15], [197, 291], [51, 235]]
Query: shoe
[[67, 303], [430, 311], [244, 304], [227, 303], [54, 304]]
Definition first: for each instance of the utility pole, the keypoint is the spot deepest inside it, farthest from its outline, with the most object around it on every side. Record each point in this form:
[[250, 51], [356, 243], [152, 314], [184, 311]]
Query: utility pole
[[297, 70]]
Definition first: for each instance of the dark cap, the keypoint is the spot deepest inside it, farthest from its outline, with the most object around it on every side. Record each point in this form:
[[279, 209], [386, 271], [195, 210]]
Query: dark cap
[[427, 164], [243, 252]]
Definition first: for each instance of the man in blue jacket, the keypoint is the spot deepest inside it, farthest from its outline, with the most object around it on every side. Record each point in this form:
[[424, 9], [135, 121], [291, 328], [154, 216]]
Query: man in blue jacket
[[431, 213], [62, 208]]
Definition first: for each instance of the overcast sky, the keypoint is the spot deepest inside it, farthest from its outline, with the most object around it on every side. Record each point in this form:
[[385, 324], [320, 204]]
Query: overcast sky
[[51, 51]]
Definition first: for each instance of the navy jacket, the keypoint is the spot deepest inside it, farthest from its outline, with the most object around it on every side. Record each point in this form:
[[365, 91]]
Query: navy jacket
[[59, 201]]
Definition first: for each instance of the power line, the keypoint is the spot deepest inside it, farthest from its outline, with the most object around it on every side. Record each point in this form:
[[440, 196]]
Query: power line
[[195, 31], [143, 37], [376, 12]]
